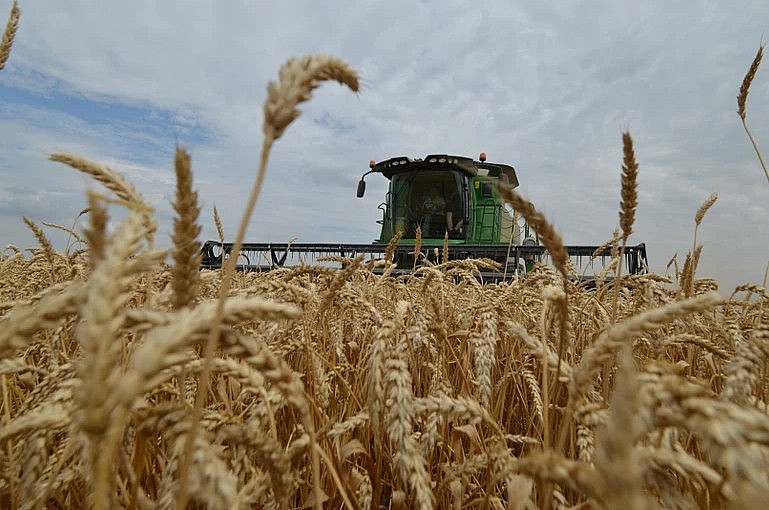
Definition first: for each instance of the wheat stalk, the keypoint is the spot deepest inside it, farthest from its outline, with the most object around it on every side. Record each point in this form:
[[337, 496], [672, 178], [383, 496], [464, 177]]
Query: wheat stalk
[[742, 98], [628, 204], [101, 347]]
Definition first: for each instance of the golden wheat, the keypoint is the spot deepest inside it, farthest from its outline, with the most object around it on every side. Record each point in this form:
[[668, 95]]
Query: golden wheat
[[629, 201], [741, 100], [186, 253], [340, 388]]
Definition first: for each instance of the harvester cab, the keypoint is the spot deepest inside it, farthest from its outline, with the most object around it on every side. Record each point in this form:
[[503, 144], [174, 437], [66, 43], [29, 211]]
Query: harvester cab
[[445, 195]]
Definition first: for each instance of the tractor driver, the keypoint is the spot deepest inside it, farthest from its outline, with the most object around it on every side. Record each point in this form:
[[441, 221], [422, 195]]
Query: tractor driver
[[433, 211]]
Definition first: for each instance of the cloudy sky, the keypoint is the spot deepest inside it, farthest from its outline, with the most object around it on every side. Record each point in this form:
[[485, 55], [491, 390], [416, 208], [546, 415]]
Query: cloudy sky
[[548, 87]]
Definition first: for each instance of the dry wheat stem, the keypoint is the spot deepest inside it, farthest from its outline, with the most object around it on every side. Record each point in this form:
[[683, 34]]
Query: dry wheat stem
[[68, 230], [109, 178]]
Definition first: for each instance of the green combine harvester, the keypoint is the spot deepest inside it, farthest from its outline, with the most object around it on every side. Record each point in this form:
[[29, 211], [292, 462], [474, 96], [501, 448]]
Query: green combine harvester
[[444, 200]]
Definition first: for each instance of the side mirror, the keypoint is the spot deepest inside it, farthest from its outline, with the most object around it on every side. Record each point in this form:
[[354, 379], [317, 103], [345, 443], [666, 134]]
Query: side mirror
[[361, 188]]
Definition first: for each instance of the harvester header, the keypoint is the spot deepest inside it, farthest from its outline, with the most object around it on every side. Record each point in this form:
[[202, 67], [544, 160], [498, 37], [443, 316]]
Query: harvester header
[[440, 203]]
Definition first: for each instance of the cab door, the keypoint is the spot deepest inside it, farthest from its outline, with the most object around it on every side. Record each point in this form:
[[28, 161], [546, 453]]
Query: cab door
[[486, 210]]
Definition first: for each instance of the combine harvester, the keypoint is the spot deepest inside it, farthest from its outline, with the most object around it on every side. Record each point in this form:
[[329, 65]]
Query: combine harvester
[[445, 196]]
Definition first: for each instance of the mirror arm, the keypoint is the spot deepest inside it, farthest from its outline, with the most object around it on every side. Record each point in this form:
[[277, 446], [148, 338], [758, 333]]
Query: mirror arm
[[362, 185]]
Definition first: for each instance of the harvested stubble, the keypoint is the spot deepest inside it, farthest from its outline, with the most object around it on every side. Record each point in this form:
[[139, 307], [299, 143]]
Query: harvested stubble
[[340, 388]]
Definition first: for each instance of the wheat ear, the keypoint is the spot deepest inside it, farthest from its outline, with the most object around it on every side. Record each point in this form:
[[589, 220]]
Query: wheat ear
[[219, 226], [9, 34], [417, 246], [96, 232], [391, 246], [629, 187], [742, 98], [114, 182], [18, 327], [186, 253], [550, 238], [692, 259], [706, 205], [45, 243], [628, 205]]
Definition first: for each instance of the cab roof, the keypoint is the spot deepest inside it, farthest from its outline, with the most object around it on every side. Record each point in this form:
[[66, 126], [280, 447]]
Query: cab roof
[[468, 166]]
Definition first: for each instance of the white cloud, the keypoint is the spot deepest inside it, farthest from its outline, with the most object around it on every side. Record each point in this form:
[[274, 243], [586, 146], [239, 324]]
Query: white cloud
[[548, 87]]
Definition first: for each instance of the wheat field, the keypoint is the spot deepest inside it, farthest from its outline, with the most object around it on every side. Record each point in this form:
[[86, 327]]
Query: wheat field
[[132, 379]]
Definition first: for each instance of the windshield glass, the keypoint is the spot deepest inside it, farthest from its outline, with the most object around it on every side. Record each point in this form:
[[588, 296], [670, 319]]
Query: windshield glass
[[430, 199]]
